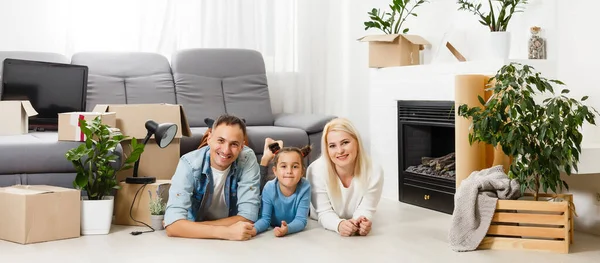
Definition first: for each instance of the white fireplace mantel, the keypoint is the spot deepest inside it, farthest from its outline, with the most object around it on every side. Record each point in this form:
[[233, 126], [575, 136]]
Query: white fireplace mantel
[[431, 82]]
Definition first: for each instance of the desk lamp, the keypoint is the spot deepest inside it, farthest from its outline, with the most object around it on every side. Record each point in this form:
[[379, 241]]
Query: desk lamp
[[163, 135]]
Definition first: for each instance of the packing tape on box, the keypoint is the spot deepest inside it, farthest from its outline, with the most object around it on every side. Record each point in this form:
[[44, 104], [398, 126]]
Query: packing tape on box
[[79, 136]]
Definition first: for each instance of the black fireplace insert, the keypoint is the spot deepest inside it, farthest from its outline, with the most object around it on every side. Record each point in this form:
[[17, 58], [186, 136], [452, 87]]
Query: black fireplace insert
[[426, 162]]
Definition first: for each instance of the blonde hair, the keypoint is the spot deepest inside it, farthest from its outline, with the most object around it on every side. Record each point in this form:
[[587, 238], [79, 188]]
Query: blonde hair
[[362, 162]]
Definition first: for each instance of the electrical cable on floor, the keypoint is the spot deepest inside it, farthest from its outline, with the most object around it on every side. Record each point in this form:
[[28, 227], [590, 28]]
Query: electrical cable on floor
[[135, 233]]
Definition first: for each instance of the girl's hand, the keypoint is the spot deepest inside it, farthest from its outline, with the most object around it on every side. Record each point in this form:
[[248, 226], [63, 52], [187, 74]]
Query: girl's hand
[[348, 227], [364, 226], [267, 154], [281, 231]]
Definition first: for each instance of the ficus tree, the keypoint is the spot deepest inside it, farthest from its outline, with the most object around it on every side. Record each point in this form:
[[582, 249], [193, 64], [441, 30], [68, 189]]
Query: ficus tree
[[543, 138]]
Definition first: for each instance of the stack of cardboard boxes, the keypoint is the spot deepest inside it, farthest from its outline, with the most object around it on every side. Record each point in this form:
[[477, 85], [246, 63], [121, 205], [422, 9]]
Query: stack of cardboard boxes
[[45, 213]]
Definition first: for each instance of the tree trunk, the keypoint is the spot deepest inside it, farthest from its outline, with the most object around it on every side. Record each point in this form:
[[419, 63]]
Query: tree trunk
[[537, 187]]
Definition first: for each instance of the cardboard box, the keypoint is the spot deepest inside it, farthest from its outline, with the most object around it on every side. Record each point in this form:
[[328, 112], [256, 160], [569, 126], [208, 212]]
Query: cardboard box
[[394, 50], [141, 209], [131, 119], [14, 116], [38, 213], [68, 124]]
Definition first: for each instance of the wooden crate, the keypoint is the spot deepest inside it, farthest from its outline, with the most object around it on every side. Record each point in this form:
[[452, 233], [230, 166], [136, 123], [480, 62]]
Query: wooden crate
[[531, 225]]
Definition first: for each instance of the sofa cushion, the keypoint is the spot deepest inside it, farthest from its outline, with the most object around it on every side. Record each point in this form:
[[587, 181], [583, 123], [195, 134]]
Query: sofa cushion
[[191, 143], [36, 152], [224, 81], [127, 78], [290, 136], [9, 179]]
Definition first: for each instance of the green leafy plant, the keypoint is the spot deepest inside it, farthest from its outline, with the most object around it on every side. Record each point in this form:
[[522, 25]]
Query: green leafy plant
[[495, 20], [542, 139], [156, 205], [96, 159], [391, 23]]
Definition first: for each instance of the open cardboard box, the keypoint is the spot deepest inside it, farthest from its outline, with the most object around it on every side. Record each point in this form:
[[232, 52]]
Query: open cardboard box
[[14, 116], [393, 50]]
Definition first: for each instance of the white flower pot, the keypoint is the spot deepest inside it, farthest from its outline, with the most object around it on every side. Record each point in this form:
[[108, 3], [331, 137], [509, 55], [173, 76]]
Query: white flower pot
[[96, 216], [500, 44], [157, 222]]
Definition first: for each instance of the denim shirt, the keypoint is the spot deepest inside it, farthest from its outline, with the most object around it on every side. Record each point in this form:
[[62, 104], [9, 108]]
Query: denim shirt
[[192, 187]]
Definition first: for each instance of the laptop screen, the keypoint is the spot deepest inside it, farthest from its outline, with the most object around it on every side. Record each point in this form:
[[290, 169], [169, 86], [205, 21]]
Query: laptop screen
[[52, 88]]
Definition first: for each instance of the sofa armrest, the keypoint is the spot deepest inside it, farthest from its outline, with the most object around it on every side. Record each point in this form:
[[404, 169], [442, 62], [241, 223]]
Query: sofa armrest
[[311, 123]]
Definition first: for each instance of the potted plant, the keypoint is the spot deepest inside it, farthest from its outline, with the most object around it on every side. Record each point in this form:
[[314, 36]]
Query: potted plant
[[497, 21], [391, 23], [394, 47], [539, 131], [157, 209], [542, 139], [96, 163]]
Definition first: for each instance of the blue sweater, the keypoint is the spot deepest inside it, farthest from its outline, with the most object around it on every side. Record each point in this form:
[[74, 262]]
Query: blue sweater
[[276, 207]]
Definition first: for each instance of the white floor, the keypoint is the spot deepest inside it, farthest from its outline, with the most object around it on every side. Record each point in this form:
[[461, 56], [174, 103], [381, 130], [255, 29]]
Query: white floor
[[401, 233]]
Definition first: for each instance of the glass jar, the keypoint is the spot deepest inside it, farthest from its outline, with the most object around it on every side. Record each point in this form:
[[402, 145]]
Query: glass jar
[[537, 45]]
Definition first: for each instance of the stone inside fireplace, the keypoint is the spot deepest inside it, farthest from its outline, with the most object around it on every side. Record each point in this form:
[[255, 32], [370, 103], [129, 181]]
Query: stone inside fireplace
[[426, 154]]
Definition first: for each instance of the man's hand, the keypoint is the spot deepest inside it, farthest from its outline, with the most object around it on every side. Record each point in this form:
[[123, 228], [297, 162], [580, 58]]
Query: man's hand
[[364, 226], [267, 154], [281, 231], [240, 231], [348, 227]]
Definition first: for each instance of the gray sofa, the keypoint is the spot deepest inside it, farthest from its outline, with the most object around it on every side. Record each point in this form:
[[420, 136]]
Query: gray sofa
[[207, 82]]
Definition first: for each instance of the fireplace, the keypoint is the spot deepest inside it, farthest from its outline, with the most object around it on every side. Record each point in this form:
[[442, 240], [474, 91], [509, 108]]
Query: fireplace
[[426, 174]]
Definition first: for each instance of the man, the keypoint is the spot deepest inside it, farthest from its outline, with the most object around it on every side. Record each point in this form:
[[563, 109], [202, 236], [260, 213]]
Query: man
[[215, 189]]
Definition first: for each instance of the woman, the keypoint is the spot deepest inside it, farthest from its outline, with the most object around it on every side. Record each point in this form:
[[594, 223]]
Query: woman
[[346, 185]]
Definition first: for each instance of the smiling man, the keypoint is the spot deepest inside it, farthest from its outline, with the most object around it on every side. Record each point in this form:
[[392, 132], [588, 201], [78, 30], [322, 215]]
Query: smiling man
[[215, 190]]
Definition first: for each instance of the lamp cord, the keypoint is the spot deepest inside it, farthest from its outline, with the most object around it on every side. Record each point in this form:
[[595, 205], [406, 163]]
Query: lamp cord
[[135, 233]]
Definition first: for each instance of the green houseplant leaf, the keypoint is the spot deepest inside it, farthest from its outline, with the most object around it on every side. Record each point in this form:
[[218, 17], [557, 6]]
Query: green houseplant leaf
[[543, 139], [391, 23], [495, 20], [96, 160]]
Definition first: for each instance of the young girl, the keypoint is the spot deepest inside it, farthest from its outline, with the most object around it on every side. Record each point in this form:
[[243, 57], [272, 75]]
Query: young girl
[[286, 199]]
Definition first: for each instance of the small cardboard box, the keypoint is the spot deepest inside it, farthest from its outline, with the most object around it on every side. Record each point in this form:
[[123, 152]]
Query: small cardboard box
[[39, 213], [394, 50], [131, 119], [141, 209], [14, 116], [68, 124]]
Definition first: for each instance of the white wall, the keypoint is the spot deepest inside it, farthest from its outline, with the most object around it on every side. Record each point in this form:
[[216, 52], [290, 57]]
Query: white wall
[[571, 42]]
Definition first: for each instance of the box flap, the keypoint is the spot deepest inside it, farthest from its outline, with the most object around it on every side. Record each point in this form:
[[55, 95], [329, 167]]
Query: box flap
[[417, 40], [29, 110], [185, 127], [100, 108], [380, 38]]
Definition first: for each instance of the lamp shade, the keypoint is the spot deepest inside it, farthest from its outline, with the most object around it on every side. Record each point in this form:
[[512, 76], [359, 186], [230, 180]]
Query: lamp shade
[[163, 133]]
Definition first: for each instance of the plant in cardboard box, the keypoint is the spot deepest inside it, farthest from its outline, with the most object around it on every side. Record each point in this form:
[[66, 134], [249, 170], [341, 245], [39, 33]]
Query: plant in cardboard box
[[97, 162], [394, 47], [496, 19], [157, 208], [391, 23], [542, 138]]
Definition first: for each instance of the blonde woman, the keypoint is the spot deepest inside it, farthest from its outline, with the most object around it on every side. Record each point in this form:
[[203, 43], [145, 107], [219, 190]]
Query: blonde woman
[[346, 185]]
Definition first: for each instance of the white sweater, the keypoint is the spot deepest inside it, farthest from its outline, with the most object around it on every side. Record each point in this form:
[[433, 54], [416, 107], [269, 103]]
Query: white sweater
[[354, 201]]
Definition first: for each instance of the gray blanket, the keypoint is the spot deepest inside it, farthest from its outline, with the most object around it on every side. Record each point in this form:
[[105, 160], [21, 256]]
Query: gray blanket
[[474, 206]]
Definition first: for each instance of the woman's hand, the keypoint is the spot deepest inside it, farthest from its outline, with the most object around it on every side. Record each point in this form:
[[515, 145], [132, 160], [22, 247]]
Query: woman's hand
[[364, 226], [281, 231], [348, 227], [267, 154]]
